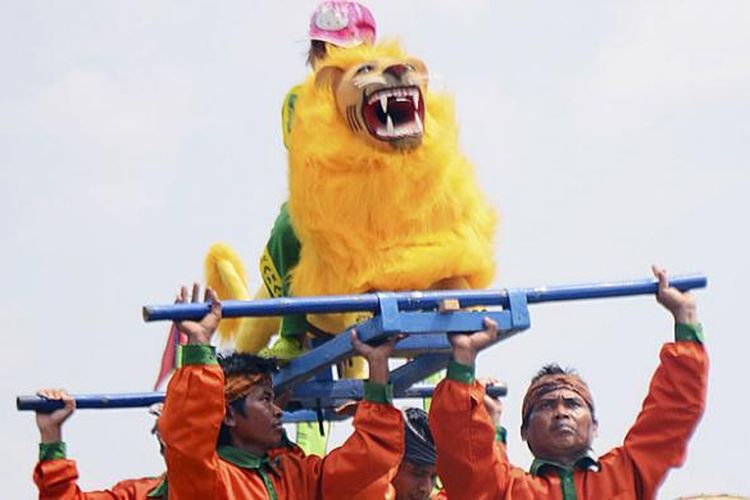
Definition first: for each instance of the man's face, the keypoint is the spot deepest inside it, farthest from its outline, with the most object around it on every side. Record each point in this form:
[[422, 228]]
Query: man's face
[[560, 427], [414, 482], [260, 428]]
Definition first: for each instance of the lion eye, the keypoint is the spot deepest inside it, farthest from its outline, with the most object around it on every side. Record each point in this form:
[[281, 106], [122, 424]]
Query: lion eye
[[365, 69]]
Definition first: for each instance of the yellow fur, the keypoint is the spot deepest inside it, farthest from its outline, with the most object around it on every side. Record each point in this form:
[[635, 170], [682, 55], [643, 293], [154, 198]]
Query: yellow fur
[[371, 219], [226, 275]]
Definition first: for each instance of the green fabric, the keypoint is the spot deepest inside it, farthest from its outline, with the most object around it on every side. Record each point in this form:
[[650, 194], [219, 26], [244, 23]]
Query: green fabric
[[280, 257], [378, 393], [198, 354], [567, 484], [290, 103], [431, 380], [689, 332], [160, 491], [247, 460], [179, 356], [51, 451], [540, 466], [501, 434], [311, 440], [460, 373], [287, 114]]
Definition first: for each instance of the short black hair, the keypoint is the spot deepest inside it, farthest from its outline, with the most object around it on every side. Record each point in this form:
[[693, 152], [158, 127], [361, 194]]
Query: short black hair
[[318, 50], [237, 363], [419, 446], [554, 369]]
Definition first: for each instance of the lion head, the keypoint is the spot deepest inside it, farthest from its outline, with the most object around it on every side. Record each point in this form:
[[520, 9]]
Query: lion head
[[381, 98], [380, 194]]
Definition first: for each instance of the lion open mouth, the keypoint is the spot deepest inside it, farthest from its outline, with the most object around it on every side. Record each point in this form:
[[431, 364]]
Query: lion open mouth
[[394, 113]]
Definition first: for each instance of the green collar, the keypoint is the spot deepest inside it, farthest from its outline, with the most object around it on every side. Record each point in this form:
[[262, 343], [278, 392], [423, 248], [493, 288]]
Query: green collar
[[160, 490], [242, 458], [540, 465], [247, 460]]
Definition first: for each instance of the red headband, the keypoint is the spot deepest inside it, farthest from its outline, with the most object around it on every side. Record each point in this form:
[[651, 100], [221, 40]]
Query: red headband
[[237, 386], [549, 383]]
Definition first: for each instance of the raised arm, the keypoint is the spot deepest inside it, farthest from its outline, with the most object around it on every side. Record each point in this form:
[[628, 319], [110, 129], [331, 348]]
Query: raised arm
[[56, 476], [468, 462], [194, 408], [377, 444], [676, 399]]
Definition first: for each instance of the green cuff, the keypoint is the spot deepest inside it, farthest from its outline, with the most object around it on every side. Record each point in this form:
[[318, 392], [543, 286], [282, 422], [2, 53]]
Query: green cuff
[[688, 332], [51, 451], [198, 354], [460, 373], [378, 393], [501, 434], [294, 325]]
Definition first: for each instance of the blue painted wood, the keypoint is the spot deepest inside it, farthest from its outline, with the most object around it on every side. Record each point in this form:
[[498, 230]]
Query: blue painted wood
[[413, 323], [415, 313], [415, 300], [417, 370], [335, 392]]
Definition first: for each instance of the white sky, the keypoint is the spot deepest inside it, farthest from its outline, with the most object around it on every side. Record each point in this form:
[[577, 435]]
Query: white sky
[[609, 135]]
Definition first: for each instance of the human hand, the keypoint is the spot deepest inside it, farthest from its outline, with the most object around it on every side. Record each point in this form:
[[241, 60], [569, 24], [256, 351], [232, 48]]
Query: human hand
[[680, 304], [493, 406], [377, 356], [200, 332], [50, 424], [467, 345]]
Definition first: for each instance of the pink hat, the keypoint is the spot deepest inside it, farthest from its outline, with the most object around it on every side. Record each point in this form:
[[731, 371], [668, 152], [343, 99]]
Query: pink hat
[[342, 23]]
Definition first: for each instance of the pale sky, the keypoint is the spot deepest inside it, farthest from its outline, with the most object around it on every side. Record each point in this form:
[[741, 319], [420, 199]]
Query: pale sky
[[609, 136]]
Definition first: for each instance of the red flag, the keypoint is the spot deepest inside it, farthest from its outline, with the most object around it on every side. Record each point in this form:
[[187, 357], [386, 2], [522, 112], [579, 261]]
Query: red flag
[[169, 361]]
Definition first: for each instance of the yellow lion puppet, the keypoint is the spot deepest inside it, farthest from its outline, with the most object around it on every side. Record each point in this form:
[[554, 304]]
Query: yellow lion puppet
[[380, 196]]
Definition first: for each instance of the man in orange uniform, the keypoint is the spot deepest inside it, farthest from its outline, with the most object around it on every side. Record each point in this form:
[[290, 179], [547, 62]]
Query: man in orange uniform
[[205, 404], [57, 477], [559, 424], [416, 476]]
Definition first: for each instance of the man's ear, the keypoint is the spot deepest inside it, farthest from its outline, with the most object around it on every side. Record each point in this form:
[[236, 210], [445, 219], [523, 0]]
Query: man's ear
[[524, 433], [329, 76], [229, 419]]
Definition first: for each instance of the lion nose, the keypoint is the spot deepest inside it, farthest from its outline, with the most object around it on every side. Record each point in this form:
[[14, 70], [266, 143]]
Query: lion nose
[[396, 70]]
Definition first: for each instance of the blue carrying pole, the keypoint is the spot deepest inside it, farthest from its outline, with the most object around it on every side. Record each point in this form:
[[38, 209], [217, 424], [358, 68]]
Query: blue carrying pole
[[410, 301], [409, 312], [144, 399]]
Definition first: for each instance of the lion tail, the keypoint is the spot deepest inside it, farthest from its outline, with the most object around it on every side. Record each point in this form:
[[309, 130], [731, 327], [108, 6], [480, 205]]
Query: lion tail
[[226, 275]]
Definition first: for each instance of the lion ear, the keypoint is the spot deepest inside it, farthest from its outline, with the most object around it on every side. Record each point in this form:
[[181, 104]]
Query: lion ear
[[328, 76], [421, 68]]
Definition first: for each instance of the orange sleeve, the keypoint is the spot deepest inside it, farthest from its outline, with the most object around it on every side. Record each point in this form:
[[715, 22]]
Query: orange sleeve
[[370, 454], [190, 423], [57, 480], [674, 405], [468, 460]]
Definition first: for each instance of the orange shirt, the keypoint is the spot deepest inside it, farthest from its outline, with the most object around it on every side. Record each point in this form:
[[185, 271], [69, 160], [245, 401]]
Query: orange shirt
[[57, 480], [190, 424], [470, 468]]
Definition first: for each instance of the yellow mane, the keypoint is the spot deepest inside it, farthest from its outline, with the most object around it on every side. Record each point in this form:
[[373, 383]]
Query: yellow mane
[[373, 219]]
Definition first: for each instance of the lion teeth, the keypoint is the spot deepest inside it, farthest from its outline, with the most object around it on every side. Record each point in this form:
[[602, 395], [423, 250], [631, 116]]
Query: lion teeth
[[389, 126], [418, 123], [415, 98], [384, 103]]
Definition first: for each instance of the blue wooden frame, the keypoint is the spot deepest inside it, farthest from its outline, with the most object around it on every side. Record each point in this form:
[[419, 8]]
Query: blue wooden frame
[[316, 394]]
